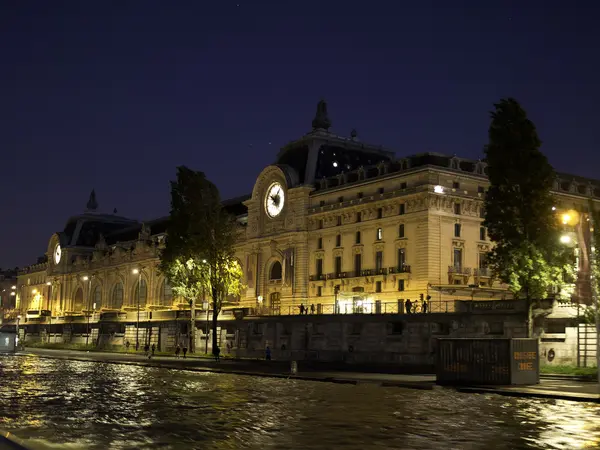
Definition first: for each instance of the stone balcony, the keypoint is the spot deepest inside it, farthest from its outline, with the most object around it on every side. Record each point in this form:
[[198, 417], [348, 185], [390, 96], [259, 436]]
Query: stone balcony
[[405, 268], [459, 275]]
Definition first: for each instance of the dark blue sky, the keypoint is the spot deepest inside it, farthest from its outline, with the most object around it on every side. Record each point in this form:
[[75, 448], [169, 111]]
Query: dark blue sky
[[114, 95]]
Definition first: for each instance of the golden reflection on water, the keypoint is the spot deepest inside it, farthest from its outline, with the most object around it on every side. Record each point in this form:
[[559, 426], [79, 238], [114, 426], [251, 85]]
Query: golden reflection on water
[[104, 406]]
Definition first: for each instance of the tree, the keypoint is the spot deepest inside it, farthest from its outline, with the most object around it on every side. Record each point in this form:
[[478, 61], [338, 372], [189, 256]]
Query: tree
[[519, 217], [198, 256]]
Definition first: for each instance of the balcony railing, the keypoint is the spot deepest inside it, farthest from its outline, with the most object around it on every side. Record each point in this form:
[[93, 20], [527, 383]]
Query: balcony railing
[[484, 272], [459, 270], [399, 307], [405, 268]]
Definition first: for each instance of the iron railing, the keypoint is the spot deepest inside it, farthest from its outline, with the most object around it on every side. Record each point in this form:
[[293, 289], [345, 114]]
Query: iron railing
[[399, 307], [404, 268]]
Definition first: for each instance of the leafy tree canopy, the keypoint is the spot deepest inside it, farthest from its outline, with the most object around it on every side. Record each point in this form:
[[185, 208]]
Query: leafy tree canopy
[[518, 205]]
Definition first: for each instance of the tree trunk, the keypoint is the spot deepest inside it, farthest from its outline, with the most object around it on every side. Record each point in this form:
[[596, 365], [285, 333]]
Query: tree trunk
[[215, 314], [192, 333], [529, 309]]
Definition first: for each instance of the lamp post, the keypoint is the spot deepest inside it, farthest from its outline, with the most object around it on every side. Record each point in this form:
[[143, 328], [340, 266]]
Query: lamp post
[[17, 330], [571, 218], [137, 328], [87, 336]]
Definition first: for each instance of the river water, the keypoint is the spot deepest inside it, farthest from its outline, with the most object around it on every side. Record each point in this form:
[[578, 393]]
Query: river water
[[93, 405]]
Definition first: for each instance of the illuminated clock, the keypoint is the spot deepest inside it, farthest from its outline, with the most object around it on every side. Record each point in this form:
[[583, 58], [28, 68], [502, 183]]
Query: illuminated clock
[[57, 254], [274, 200]]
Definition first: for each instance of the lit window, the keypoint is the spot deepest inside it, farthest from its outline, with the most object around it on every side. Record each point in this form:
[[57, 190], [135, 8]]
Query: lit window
[[379, 234]]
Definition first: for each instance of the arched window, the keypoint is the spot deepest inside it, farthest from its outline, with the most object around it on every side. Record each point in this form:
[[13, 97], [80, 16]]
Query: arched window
[[166, 294], [78, 300], [97, 298], [275, 273], [141, 291], [117, 296]]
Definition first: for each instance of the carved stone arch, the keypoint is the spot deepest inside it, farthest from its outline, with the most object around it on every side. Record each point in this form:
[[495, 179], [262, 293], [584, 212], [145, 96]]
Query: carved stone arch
[[78, 296], [270, 264], [132, 299], [163, 292], [97, 293], [115, 300]]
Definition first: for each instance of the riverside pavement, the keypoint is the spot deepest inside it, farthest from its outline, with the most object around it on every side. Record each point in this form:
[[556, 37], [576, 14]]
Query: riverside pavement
[[566, 389]]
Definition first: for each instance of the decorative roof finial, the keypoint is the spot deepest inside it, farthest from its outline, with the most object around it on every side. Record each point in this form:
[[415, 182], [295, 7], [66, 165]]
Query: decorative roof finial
[[115, 211], [321, 120], [92, 204], [353, 133]]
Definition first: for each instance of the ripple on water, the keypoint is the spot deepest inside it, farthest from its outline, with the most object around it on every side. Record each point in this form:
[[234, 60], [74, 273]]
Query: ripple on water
[[73, 404]]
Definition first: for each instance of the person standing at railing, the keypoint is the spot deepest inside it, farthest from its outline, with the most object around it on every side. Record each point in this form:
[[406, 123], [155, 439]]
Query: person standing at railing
[[301, 307], [408, 305], [424, 307], [312, 308]]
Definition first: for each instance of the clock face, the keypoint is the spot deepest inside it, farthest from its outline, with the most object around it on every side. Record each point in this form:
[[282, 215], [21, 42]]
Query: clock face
[[274, 200], [57, 254]]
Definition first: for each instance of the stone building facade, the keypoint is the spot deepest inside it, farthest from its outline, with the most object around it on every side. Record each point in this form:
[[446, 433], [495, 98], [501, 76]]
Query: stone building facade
[[335, 223]]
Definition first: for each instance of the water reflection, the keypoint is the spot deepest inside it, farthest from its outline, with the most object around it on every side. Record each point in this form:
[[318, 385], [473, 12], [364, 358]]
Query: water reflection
[[99, 406]]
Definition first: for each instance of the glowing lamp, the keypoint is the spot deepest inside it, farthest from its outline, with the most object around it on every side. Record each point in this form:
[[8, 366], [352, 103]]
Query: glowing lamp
[[565, 239], [438, 189]]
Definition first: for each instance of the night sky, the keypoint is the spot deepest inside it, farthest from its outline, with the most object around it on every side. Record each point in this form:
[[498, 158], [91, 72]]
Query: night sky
[[113, 95]]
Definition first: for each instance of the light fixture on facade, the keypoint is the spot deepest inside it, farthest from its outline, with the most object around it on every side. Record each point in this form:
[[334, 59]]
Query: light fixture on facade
[[48, 283], [554, 208], [12, 293], [34, 291], [566, 218], [85, 278], [335, 164], [13, 287], [135, 271], [438, 189]]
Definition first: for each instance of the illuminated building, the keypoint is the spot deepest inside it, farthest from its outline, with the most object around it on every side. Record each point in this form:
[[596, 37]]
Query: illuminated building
[[335, 222]]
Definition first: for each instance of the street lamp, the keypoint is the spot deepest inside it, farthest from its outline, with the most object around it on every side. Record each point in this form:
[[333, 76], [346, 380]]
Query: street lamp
[[87, 336], [17, 330], [137, 328]]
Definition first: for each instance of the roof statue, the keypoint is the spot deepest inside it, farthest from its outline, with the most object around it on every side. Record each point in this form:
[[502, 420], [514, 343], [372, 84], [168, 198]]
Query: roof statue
[[353, 133], [92, 204], [321, 120]]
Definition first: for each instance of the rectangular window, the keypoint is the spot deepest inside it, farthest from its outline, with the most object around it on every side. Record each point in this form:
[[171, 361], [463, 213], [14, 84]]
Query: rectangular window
[[379, 213], [357, 240], [482, 233], [456, 185], [403, 185], [379, 234], [339, 220], [457, 208], [378, 286], [338, 240], [457, 230], [358, 217], [359, 195], [402, 209], [483, 260], [319, 291], [338, 265], [340, 199], [400, 285], [322, 203], [457, 258], [401, 230], [357, 264], [381, 190], [320, 243], [401, 258], [320, 224], [319, 267], [378, 261], [482, 212]]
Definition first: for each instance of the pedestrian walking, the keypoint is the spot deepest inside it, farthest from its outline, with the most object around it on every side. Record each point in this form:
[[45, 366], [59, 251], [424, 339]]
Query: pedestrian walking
[[424, 307], [268, 353], [301, 308], [408, 306], [177, 351], [153, 349], [146, 350], [127, 344], [312, 308], [184, 351], [217, 353]]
